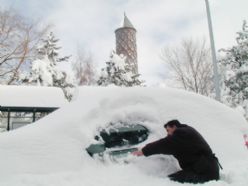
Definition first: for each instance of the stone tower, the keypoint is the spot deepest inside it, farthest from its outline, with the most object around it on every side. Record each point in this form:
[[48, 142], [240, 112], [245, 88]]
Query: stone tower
[[126, 43]]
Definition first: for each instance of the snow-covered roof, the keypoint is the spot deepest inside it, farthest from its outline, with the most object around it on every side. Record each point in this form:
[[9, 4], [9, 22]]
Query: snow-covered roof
[[31, 96]]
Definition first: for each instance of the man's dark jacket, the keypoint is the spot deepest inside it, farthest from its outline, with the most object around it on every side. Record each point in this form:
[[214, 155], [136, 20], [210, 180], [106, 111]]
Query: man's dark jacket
[[189, 148]]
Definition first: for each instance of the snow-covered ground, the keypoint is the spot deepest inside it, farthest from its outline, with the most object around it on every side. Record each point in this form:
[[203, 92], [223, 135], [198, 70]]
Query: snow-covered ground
[[52, 151]]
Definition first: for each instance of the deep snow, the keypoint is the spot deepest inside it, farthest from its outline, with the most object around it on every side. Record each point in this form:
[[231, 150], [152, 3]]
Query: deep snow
[[52, 151]]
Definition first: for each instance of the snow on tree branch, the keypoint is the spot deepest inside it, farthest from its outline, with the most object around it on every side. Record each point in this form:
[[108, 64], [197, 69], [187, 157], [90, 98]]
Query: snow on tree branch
[[45, 71], [118, 72], [235, 61]]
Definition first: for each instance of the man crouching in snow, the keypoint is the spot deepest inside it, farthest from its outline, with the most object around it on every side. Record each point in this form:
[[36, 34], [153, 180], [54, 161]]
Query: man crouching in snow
[[193, 153]]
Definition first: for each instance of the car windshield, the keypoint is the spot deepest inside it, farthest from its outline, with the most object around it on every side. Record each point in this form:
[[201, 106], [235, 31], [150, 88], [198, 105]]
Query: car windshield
[[121, 135], [124, 135]]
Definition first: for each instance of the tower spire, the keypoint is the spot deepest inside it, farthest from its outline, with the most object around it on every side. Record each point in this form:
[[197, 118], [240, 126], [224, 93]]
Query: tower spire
[[127, 22]]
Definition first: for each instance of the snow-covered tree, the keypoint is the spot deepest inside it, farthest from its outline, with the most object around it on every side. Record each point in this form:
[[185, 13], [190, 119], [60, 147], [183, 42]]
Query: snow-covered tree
[[45, 70], [235, 61], [49, 48], [118, 72]]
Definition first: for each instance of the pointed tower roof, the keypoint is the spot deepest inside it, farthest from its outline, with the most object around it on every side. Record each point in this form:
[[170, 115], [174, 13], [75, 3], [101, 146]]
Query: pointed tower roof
[[127, 22]]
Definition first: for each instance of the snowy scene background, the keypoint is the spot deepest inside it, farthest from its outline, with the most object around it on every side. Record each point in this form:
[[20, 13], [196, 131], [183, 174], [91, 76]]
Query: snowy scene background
[[71, 48], [83, 36]]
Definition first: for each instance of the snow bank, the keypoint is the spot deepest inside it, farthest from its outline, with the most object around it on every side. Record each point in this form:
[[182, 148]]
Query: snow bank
[[52, 151]]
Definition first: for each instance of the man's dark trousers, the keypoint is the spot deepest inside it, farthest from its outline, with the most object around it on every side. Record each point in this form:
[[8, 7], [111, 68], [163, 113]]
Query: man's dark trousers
[[204, 170]]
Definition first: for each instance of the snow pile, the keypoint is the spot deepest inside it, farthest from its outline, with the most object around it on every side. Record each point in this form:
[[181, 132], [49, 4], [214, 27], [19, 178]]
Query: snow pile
[[52, 151]]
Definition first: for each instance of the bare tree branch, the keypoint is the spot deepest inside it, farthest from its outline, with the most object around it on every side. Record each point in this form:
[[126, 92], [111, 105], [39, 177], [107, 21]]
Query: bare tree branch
[[84, 68], [191, 66], [18, 39]]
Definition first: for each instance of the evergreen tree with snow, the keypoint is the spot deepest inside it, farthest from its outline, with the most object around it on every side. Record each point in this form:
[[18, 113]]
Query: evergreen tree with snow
[[118, 72], [235, 62], [49, 48], [45, 71]]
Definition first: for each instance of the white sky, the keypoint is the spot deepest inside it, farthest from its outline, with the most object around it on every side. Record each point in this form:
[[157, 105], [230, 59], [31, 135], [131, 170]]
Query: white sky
[[90, 24]]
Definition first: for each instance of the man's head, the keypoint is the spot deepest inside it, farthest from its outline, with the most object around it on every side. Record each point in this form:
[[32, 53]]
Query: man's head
[[171, 126]]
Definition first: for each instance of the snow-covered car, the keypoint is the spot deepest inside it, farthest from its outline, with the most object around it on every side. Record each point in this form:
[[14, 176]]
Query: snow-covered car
[[53, 150]]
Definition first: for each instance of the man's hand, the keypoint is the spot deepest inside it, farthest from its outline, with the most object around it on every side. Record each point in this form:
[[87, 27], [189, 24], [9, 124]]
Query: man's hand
[[138, 153]]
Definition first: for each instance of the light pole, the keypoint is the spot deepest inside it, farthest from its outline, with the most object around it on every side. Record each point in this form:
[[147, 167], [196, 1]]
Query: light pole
[[215, 67]]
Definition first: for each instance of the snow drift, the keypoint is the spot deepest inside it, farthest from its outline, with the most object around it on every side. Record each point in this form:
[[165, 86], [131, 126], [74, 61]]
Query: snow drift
[[52, 150]]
